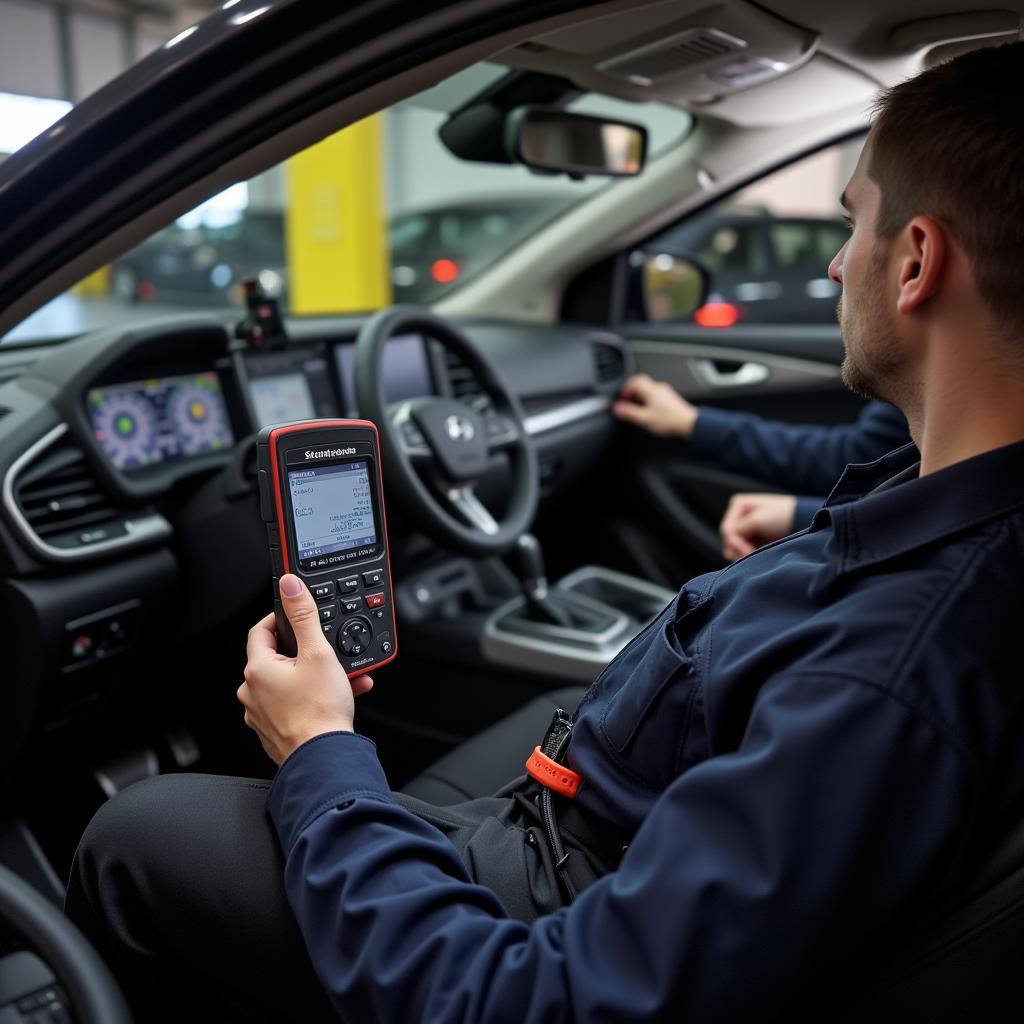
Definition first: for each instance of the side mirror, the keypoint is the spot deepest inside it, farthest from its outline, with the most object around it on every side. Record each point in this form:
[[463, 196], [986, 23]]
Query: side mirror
[[554, 141], [672, 287]]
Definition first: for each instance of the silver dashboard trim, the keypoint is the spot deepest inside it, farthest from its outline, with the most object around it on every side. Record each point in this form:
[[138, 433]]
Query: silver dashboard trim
[[565, 414], [144, 530]]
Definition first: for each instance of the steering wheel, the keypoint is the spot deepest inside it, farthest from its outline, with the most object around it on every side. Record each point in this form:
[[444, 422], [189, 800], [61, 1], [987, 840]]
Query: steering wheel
[[89, 985], [447, 441]]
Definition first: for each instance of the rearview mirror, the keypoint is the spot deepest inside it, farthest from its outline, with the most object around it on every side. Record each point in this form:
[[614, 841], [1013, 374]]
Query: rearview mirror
[[553, 140]]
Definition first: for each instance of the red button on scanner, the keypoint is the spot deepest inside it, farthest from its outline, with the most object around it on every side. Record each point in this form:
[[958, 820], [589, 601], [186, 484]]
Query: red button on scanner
[[374, 600]]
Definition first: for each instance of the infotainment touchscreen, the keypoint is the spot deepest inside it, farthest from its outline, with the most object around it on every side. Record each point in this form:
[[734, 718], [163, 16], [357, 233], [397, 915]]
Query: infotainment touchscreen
[[332, 510], [291, 385], [145, 422], [281, 398]]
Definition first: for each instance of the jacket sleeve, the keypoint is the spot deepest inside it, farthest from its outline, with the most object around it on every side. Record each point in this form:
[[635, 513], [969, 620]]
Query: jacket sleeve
[[756, 871], [804, 511], [796, 459]]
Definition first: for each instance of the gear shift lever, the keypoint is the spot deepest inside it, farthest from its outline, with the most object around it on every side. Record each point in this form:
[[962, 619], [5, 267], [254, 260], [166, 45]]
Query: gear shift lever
[[528, 562]]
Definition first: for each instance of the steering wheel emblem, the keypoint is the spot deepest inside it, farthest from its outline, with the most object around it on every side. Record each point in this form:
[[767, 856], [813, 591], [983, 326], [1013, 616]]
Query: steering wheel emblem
[[459, 428]]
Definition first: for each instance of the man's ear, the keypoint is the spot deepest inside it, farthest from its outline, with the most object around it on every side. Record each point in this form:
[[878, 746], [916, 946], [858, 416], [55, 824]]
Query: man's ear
[[921, 264]]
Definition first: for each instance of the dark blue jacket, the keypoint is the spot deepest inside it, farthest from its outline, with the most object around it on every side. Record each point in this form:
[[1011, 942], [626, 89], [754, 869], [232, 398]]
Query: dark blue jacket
[[801, 460], [809, 744]]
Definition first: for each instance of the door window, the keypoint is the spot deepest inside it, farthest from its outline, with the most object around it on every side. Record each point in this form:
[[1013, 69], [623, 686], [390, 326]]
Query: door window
[[767, 247]]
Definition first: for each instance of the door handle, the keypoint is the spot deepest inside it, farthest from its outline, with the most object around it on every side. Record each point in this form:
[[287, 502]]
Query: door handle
[[745, 374]]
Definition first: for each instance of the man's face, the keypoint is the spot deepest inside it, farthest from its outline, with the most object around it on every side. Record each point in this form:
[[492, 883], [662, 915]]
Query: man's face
[[875, 357]]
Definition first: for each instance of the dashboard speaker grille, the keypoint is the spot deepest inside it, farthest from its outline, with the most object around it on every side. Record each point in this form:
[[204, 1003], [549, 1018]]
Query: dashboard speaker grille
[[59, 494], [609, 362]]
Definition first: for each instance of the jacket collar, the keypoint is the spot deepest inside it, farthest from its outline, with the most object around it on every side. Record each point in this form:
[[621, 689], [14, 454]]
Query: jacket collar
[[885, 509]]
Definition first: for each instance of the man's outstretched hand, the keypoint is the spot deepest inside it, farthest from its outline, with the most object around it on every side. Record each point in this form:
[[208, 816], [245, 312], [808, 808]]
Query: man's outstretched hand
[[290, 700], [655, 406], [753, 520]]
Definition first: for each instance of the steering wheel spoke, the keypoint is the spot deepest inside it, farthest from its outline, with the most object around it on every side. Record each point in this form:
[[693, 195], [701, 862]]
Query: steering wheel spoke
[[502, 433], [435, 449], [410, 438], [472, 509]]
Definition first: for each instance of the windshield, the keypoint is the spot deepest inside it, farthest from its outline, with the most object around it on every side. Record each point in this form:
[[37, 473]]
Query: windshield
[[378, 213]]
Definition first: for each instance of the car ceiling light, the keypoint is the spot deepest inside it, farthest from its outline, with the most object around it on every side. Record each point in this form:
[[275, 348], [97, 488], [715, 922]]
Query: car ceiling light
[[241, 19], [22, 118], [748, 70], [181, 36], [229, 4]]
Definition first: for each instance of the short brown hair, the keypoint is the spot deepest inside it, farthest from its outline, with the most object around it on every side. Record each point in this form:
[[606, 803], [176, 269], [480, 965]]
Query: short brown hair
[[949, 144]]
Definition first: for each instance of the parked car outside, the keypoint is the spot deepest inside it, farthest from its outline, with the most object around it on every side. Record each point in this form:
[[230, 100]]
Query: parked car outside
[[204, 263], [431, 248], [764, 268], [438, 246]]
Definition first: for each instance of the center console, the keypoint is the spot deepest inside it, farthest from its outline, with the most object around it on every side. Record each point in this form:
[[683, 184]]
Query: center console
[[476, 610], [606, 609]]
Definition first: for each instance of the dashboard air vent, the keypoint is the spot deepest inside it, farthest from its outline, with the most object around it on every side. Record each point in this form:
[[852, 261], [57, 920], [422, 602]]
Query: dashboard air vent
[[609, 362], [61, 499], [465, 387]]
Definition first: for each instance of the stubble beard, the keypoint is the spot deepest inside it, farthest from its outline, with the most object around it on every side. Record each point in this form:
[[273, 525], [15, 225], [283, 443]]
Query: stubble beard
[[873, 363]]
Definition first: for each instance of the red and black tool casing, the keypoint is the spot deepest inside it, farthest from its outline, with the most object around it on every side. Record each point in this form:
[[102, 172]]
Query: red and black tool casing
[[352, 586]]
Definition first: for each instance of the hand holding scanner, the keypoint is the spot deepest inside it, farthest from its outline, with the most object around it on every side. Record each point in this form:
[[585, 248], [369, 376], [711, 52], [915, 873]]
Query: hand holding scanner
[[322, 499]]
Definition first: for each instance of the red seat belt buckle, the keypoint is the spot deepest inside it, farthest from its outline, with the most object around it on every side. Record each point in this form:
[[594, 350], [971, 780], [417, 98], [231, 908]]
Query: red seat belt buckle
[[553, 775]]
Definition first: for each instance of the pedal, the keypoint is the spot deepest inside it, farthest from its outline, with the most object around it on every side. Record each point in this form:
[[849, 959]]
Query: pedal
[[121, 772]]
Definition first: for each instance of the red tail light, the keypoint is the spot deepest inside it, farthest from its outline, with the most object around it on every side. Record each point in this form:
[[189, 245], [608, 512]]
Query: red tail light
[[444, 271], [717, 314]]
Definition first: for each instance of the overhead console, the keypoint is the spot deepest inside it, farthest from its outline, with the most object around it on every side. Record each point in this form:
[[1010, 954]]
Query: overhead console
[[690, 57]]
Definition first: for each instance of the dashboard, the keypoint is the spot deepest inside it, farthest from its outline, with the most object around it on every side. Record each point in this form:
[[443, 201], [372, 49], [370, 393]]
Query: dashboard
[[127, 476], [301, 382], [134, 414], [171, 419]]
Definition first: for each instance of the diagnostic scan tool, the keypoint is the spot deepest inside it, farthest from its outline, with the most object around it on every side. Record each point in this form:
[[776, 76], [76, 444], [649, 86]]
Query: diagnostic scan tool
[[323, 502]]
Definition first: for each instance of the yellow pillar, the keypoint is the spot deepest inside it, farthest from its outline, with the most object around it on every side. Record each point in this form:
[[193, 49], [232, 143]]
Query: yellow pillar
[[335, 230], [97, 283]]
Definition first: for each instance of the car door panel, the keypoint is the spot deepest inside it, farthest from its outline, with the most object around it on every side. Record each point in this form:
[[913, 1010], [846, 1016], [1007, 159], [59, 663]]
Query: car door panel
[[786, 373], [705, 372], [817, 343]]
